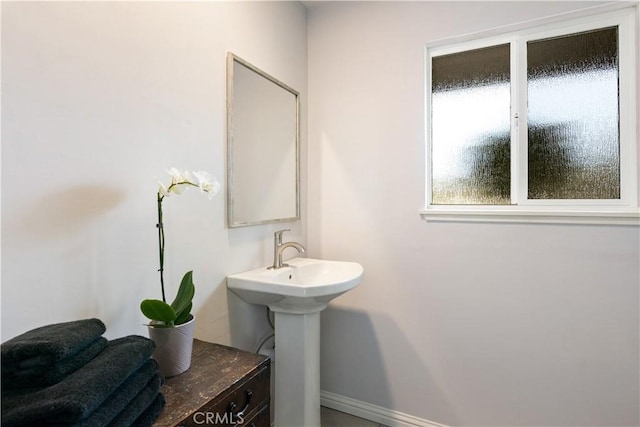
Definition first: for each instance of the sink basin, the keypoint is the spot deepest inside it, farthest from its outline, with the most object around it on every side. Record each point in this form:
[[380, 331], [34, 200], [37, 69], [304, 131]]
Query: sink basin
[[305, 286]]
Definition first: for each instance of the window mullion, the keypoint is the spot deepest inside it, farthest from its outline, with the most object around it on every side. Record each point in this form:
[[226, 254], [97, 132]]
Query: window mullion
[[515, 121], [520, 139]]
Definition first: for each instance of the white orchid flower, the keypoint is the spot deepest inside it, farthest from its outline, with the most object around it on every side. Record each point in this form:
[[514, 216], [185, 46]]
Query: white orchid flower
[[176, 175], [212, 187], [176, 188], [186, 176], [215, 188], [162, 190], [207, 183], [202, 177]]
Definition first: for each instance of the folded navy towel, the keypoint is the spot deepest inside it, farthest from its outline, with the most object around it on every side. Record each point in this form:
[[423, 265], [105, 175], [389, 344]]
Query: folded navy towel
[[138, 405], [47, 375], [148, 376], [81, 393], [49, 344], [150, 414]]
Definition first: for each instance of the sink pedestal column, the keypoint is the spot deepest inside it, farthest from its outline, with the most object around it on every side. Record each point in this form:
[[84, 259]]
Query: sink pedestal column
[[297, 376]]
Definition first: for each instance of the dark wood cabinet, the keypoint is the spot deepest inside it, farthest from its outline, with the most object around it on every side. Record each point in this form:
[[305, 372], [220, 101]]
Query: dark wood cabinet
[[224, 386]]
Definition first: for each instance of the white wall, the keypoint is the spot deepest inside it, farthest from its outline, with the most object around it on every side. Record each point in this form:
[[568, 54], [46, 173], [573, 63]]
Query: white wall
[[98, 100], [460, 324]]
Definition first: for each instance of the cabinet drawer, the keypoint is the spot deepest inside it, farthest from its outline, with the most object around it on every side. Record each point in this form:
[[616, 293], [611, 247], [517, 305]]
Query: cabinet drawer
[[242, 402], [261, 419]]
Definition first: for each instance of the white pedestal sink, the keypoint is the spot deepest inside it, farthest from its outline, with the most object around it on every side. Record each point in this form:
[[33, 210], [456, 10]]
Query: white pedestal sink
[[297, 294]]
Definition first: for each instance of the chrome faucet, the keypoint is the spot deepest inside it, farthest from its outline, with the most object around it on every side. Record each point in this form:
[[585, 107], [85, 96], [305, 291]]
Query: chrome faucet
[[279, 247]]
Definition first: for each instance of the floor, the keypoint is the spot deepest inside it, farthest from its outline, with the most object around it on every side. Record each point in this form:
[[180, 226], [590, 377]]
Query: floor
[[332, 418]]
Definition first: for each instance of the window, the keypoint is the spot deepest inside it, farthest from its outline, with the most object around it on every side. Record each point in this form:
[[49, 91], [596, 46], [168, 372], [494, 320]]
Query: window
[[535, 125]]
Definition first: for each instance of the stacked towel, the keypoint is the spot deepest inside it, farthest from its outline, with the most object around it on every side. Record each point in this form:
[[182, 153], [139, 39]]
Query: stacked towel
[[46, 355], [120, 386]]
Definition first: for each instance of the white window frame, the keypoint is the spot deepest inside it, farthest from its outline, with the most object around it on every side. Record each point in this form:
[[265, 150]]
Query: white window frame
[[623, 211]]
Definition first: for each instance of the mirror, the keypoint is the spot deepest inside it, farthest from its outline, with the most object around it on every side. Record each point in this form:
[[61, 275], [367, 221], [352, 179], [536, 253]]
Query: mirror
[[263, 176]]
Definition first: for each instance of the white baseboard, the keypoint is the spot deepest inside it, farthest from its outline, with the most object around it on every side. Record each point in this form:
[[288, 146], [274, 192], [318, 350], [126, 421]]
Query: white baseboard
[[371, 412]]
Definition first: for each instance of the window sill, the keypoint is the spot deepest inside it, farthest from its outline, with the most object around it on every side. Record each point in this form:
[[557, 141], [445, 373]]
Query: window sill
[[531, 216]]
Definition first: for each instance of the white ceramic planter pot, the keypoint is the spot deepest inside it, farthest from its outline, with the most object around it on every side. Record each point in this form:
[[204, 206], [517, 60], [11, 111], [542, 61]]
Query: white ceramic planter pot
[[173, 347]]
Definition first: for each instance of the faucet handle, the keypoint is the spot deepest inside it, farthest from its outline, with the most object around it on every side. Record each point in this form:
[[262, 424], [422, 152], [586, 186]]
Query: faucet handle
[[278, 234]]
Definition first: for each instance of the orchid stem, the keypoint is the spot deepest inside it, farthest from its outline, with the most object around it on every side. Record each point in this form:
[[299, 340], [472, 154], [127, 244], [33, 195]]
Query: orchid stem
[[161, 245], [160, 227]]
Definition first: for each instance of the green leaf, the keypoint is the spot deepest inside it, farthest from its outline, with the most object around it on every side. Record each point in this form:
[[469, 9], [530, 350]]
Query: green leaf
[[183, 316], [185, 294], [158, 310]]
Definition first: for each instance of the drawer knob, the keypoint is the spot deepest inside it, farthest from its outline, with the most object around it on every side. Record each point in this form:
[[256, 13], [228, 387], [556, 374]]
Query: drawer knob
[[248, 394]]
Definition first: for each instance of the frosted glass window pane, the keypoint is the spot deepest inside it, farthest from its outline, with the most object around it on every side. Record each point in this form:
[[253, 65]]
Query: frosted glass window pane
[[573, 131], [470, 150]]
